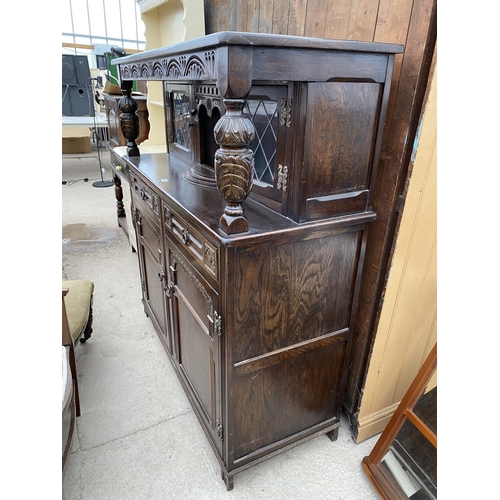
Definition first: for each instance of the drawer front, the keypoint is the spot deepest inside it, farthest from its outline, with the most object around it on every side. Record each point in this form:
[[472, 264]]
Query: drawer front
[[204, 255], [145, 197], [149, 232]]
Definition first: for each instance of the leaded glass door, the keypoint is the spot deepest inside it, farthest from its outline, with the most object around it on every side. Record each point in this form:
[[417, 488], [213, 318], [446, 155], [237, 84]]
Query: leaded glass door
[[263, 107], [179, 118]]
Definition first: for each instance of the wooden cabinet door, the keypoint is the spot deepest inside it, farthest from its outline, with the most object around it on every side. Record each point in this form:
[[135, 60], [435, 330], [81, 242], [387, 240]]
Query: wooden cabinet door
[[196, 330], [267, 108], [337, 153], [179, 118], [152, 272]]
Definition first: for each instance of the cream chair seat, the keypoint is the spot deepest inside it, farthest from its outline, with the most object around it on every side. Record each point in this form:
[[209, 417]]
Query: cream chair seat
[[77, 298]]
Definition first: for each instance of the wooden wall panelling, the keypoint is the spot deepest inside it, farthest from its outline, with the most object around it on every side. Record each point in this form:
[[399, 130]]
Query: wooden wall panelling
[[280, 18], [252, 21], [266, 17], [296, 17], [218, 15], [337, 19], [362, 19], [389, 186], [407, 328]]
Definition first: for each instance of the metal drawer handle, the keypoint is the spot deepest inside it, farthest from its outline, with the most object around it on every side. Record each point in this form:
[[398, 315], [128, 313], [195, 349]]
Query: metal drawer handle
[[160, 276], [169, 289], [186, 237]]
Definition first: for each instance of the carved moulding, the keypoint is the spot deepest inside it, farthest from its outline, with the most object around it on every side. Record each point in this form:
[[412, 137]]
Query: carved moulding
[[196, 66], [234, 164], [129, 121]]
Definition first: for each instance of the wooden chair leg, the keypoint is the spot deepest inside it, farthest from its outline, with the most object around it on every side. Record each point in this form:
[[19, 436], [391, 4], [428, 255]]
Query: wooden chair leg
[[88, 329], [72, 364]]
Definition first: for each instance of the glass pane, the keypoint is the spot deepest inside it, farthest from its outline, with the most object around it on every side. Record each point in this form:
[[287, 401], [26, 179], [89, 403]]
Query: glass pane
[[181, 118], [80, 17], [97, 21], [67, 25], [264, 115], [113, 21], [425, 409], [129, 24], [412, 459]]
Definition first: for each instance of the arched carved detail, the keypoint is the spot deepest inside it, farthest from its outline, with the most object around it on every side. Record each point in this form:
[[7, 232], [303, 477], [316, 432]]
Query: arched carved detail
[[157, 69], [195, 66]]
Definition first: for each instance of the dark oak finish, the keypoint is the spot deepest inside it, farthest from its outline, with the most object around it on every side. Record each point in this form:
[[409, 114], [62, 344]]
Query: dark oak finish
[[254, 297], [346, 94], [412, 22]]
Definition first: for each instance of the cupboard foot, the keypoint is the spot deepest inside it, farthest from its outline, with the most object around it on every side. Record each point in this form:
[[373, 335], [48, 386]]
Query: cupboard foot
[[333, 435], [228, 480]]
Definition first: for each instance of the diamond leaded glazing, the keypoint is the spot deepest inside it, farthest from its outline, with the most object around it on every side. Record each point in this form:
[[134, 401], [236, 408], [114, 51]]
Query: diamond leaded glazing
[[264, 115], [181, 118]]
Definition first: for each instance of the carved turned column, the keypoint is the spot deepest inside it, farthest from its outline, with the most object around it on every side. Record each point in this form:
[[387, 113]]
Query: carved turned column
[[234, 132], [120, 209], [129, 121], [234, 163]]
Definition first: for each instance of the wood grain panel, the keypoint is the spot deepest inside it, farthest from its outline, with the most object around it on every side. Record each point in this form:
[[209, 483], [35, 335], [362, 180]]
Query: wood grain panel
[[266, 17], [362, 20], [396, 21], [280, 17], [293, 293], [218, 15], [337, 19], [296, 17], [252, 16], [315, 20], [286, 398], [344, 164]]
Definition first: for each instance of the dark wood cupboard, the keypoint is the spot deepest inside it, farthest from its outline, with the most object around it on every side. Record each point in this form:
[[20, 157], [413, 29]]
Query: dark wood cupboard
[[252, 227]]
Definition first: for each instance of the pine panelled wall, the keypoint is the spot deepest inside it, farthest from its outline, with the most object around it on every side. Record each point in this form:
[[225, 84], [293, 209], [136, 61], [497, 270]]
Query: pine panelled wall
[[407, 330], [408, 22]]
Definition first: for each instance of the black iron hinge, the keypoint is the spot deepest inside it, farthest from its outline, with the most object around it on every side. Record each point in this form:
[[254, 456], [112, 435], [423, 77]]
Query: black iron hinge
[[217, 324], [220, 430]]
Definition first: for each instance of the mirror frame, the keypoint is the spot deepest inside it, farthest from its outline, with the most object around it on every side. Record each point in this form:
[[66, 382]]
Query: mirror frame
[[384, 483]]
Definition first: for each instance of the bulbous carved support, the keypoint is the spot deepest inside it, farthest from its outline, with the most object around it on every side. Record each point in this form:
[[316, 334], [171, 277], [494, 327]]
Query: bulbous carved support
[[234, 164], [129, 121]]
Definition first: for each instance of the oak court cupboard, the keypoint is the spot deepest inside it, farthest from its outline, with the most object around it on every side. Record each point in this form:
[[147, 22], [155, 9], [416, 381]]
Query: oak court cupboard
[[250, 228]]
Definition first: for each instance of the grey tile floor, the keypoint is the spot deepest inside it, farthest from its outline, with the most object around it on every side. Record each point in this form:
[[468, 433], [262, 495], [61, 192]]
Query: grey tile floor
[[137, 437]]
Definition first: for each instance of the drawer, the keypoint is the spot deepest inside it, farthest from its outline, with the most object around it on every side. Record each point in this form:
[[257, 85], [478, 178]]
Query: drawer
[[205, 256], [145, 197], [148, 231]]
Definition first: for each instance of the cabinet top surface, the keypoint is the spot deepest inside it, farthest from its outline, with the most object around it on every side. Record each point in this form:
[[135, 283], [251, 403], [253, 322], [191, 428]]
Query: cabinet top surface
[[205, 205], [228, 38]]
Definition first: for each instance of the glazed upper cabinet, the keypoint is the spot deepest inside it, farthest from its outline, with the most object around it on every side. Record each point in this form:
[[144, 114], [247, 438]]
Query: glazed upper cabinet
[[314, 147], [294, 123], [264, 197], [191, 114]]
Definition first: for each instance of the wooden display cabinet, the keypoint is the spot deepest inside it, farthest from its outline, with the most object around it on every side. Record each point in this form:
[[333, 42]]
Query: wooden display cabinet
[[253, 226]]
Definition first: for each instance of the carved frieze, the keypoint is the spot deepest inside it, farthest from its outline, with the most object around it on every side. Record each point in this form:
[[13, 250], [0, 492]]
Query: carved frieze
[[210, 258], [196, 66]]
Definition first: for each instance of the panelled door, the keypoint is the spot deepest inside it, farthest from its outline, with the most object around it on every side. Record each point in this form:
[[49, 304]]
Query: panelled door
[[196, 326]]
